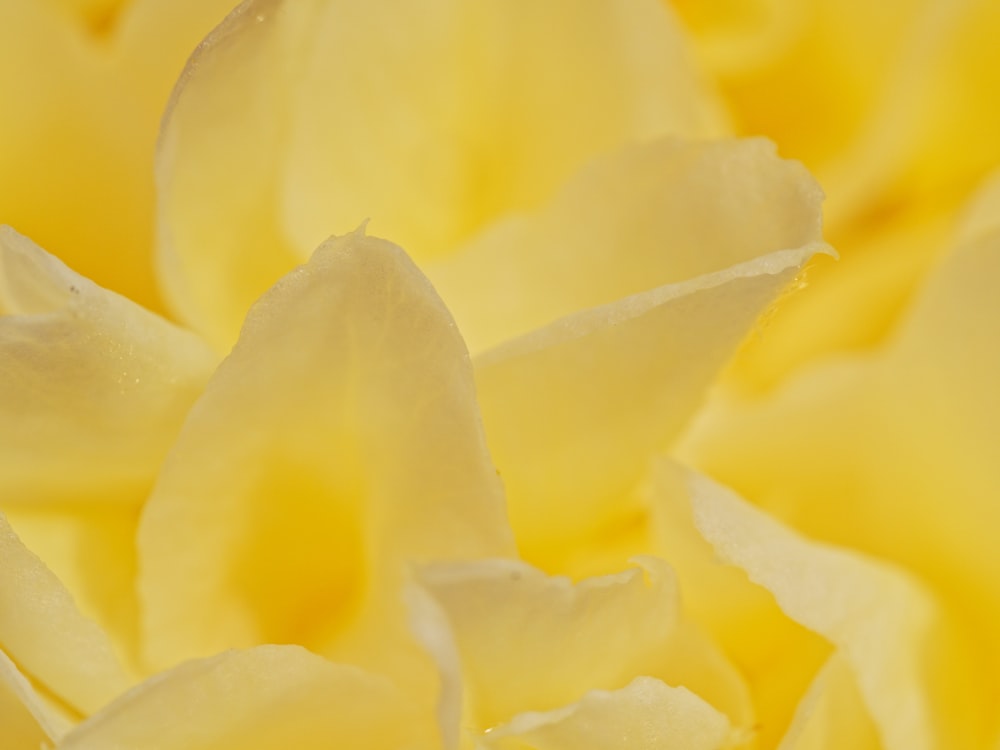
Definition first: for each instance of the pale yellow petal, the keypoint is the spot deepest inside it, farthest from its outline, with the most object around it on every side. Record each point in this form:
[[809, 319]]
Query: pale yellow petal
[[644, 715], [81, 114], [27, 719], [476, 110], [529, 642], [94, 388], [575, 411], [895, 453], [220, 245], [262, 698], [912, 672], [44, 632], [639, 218], [778, 657], [339, 441], [832, 715]]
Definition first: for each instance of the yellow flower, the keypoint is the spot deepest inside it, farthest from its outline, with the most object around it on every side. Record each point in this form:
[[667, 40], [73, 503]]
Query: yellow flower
[[307, 544]]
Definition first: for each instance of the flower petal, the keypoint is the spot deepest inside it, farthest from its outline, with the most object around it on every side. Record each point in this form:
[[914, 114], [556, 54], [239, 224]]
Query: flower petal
[[267, 697], [598, 633], [904, 466], [476, 110], [94, 386], [220, 244], [339, 441], [41, 628], [643, 715], [642, 217], [29, 720], [575, 411], [912, 674], [93, 389]]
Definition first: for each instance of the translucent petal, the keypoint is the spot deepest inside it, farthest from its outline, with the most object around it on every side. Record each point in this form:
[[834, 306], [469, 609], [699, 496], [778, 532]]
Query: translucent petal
[[778, 657], [911, 672], [476, 110], [93, 386], [41, 628], [220, 245], [598, 633], [832, 714], [904, 466], [338, 442], [28, 719], [267, 697], [636, 219], [81, 115], [643, 715], [575, 411]]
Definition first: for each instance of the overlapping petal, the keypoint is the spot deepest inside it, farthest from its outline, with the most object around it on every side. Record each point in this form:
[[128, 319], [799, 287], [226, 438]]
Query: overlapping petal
[[432, 134], [338, 442], [266, 697], [42, 630], [646, 714], [596, 634]]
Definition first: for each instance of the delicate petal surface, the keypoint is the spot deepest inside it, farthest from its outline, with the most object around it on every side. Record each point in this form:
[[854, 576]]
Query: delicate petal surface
[[81, 112], [44, 632], [569, 638], [905, 465], [643, 715], [641, 217], [220, 245], [909, 667], [28, 720], [476, 110], [267, 697], [295, 120], [339, 441], [97, 386]]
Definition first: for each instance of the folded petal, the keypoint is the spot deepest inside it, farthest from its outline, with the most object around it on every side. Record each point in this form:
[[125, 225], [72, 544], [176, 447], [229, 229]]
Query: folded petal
[[44, 632], [476, 110], [639, 218], [267, 697], [29, 720], [643, 715], [904, 463], [220, 245], [93, 389], [339, 441], [596, 634], [575, 411], [912, 672]]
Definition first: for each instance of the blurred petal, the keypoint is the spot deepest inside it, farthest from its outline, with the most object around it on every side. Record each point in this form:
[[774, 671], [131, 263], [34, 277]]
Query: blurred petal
[[79, 128], [432, 133], [642, 217], [339, 441], [644, 715], [43, 631], [575, 411], [476, 110], [904, 466], [224, 133], [595, 634], [267, 697], [832, 714], [911, 672], [29, 720]]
